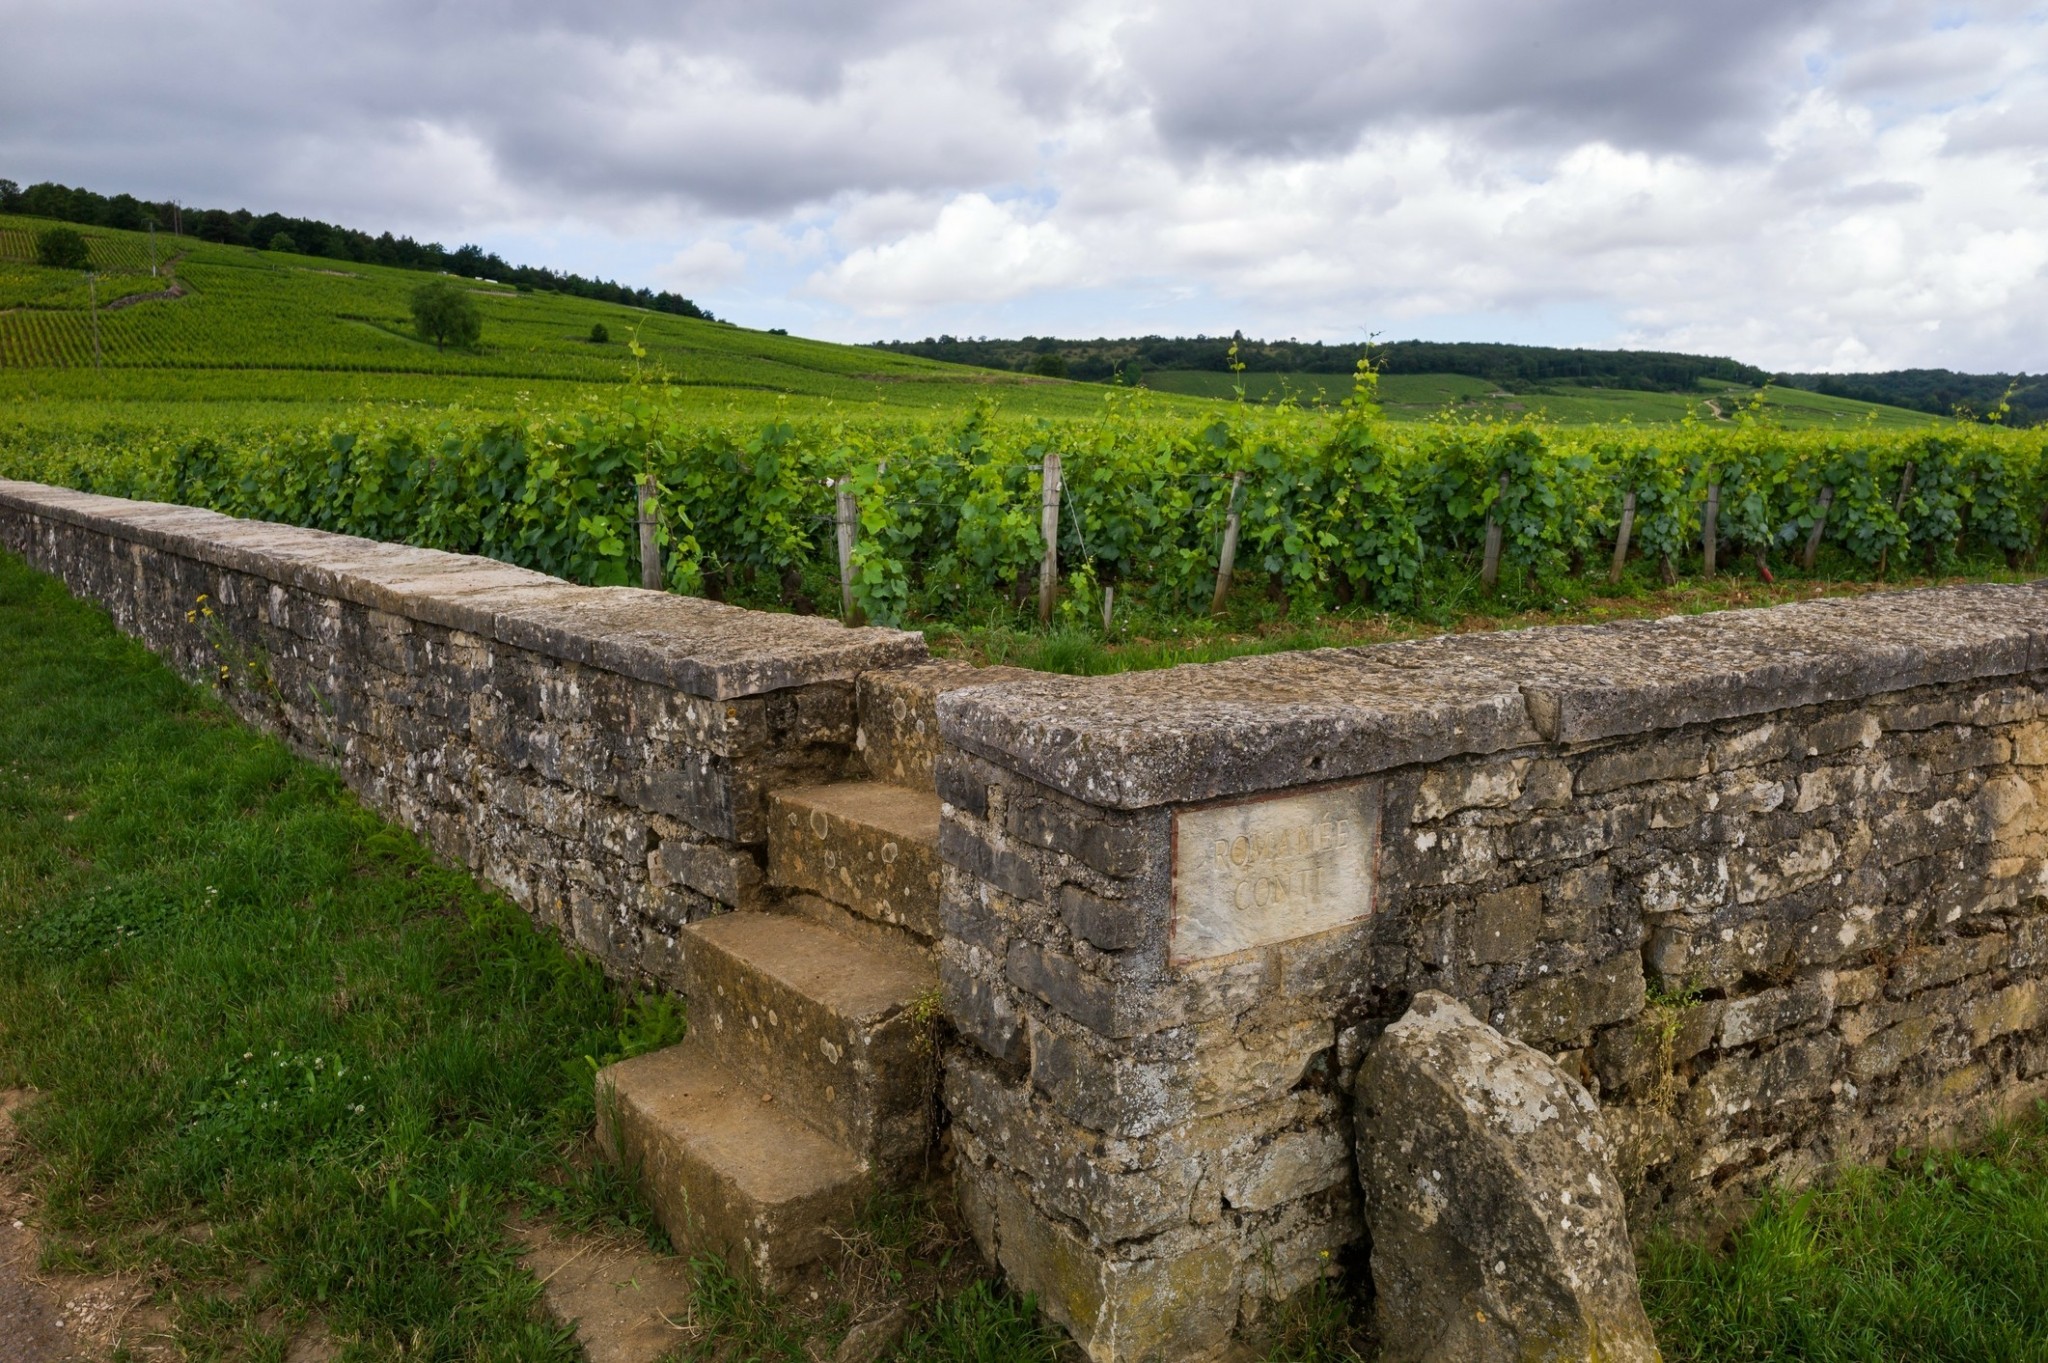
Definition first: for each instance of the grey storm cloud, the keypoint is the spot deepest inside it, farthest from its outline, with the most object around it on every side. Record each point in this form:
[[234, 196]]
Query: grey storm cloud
[[1808, 182], [1311, 77], [744, 106]]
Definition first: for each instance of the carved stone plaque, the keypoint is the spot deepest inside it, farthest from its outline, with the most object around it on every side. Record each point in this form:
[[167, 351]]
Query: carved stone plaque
[[1256, 872]]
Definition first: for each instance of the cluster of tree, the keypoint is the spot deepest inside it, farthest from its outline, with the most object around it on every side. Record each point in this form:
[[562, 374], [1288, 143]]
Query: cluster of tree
[[1977, 396], [310, 236], [62, 248], [1517, 368]]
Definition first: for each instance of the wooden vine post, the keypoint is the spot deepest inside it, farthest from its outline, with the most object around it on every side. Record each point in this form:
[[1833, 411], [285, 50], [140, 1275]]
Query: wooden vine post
[[1884, 558], [650, 536], [92, 284], [848, 520], [1710, 530], [1820, 525], [1049, 529], [1226, 562], [1489, 563], [1628, 524]]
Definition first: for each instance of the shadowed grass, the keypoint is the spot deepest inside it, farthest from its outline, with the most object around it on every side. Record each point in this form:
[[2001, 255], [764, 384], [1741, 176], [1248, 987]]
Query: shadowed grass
[[1936, 1256], [289, 1064]]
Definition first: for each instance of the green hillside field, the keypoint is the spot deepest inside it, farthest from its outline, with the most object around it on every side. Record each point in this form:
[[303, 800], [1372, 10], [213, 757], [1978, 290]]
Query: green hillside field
[[1417, 397], [249, 326], [231, 326]]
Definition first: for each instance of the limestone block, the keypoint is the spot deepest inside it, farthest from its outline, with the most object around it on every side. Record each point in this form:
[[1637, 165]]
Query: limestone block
[[1180, 1306], [1563, 1009], [1498, 1230], [1808, 1002], [1666, 761], [1490, 785], [1505, 924]]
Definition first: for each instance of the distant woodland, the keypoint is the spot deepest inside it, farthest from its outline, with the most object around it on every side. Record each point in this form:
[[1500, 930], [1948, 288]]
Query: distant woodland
[[1512, 368]]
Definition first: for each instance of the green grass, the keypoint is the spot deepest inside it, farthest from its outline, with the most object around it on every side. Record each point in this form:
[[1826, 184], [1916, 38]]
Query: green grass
[[270, 1031], [273, 327], [294, 1071], [1935, 1256], [1418, 397]]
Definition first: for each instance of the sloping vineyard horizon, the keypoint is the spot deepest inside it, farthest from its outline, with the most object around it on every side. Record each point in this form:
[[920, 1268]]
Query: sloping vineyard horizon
[[291, 388]]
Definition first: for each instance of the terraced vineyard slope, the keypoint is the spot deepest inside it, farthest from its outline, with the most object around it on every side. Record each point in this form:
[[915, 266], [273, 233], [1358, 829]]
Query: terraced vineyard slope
[[234, 323]]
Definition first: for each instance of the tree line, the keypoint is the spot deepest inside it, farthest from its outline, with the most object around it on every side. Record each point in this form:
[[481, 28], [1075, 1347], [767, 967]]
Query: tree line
[[1515, 368], [313, 237], [2023, 398], [2015, 399]]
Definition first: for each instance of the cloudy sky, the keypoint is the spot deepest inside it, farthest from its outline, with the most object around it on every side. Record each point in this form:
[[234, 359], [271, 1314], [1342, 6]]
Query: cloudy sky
[[1799, 183]]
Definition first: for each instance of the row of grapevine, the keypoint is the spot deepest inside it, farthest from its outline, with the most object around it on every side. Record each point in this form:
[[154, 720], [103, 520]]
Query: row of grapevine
[[1337, 507]]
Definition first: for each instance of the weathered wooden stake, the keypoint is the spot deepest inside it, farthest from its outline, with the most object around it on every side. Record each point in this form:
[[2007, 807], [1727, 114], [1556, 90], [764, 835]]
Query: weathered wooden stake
[[1049, 529], [1628, 523], [1489, 563], [1820, 525], [1884, 557], [650, 537], [1108, 607], [848, 521], [1710, 532], [1226, 562]]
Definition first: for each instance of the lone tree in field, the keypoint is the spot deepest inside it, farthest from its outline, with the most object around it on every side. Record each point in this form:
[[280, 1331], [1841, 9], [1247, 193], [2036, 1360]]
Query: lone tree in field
[[599, 333], [62, 248], [445, 314]]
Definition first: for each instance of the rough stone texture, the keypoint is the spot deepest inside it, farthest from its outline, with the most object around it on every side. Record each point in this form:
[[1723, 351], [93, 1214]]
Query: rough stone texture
[[1772, 884], [1498, 1231], [871, 847], [1197, 732], [727, 1171], [685, 643], [825, 1023], [1794, 916], [899, 720], [601, 755]]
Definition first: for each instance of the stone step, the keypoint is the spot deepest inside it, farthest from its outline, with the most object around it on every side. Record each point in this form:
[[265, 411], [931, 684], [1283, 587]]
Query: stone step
[[801, 904], [898, 738], [871, 847], [727, 1171], [835, 1027]]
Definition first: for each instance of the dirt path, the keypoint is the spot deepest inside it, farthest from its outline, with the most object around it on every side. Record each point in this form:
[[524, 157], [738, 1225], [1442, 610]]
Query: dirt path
[[62, 1319], [628, 1306], [176, 290]]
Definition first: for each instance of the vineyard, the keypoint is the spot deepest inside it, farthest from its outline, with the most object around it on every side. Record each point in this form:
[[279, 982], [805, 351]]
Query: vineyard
[[270, 324], [1330, 510]]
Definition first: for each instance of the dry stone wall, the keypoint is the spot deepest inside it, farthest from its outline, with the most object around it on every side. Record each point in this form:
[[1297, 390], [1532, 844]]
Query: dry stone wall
[[1770, 884], [603, 755]]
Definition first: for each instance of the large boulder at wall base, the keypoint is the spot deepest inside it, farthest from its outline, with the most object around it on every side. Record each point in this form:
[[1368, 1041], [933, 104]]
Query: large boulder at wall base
[[1498, 1231]]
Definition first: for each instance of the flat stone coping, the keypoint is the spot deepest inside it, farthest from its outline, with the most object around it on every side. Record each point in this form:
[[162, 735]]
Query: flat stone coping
[[701, 647], [1138, 739]]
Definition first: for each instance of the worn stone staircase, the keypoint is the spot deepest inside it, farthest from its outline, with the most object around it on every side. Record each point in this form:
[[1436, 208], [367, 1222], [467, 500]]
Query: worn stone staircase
[[808, 1079]]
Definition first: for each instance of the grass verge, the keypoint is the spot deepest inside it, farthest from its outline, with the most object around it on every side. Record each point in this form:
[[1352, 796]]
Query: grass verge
[[290, 1066], [1936, 1255]]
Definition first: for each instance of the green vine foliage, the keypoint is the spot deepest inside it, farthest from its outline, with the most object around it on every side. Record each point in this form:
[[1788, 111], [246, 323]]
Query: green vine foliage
[[1337, 506]]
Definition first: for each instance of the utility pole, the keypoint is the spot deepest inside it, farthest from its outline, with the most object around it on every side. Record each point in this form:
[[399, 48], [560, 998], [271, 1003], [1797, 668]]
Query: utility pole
[[152, 248]]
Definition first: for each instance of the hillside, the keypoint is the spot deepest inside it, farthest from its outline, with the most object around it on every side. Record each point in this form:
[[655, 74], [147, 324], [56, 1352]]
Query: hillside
[[1420, 379], [1417, 397], [1941, 391], [1517, 368], [222, 324], [235, 324]]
